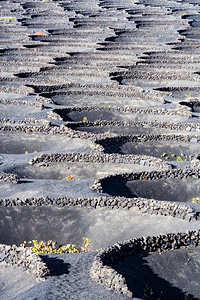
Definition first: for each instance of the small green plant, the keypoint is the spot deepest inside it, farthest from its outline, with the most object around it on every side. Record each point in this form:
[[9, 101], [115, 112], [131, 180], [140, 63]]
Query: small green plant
[[85, 120], [26, 152], [187, 296], [86, 245], [173, 155], [195, 200], [163, 155], [148, 291], [189, 96], [179, 158], [8, 18], [47, 0], [49, 247], [110, 106]]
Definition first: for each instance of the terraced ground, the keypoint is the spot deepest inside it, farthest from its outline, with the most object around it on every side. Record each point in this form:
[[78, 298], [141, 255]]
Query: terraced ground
[[100, 138]]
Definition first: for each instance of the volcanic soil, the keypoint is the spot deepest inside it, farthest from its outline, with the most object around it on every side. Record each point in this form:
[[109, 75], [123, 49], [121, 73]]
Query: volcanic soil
[[108, 82]]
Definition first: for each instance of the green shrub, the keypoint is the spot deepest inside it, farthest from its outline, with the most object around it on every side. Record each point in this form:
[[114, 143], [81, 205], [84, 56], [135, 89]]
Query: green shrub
[[8, 18], [51, 247], [195, 200]]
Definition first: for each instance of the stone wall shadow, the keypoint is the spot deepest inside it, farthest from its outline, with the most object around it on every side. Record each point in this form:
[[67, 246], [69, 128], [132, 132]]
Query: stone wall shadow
[[118, 188], [144, 283], [56, 265]]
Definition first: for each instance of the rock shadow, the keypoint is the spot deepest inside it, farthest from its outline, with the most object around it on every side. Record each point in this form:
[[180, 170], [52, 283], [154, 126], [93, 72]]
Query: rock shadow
[[144, 283], [119, 189]]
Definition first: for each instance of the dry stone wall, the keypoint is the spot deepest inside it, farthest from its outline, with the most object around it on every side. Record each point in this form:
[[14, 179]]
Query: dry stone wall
[[24, 258], [102, 270], [150, 206], [8, 177], [101, 158]]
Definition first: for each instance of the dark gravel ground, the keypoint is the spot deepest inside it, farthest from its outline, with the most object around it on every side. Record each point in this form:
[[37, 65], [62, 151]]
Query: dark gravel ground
[[58, 54], [169, 275], [70, 280], [102, 226], [149, 276]]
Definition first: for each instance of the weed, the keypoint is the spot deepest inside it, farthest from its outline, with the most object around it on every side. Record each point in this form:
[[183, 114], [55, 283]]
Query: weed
[[110, 106], [49, 247], [195, 200], [179, 158], [26, 152], [86, 245], [147, 292], [189, 96], [85, 120], [8, 18], [187, 296]]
